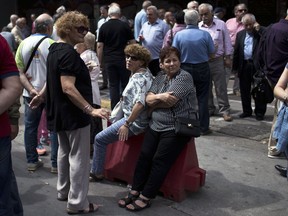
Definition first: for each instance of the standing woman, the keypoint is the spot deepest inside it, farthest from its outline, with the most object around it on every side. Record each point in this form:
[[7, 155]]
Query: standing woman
[[171, 95], [69, 99]]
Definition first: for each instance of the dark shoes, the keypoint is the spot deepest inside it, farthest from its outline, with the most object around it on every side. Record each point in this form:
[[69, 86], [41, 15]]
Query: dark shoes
[[95, 178], [244, 115], [103, 87], [259, 117], [282, 170], [203, 133]]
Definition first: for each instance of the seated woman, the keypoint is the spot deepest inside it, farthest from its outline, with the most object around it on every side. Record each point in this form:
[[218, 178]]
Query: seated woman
[[172, 92], [135, 119]]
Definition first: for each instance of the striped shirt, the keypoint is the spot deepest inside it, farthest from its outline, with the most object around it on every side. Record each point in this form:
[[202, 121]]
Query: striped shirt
[[182, 86]]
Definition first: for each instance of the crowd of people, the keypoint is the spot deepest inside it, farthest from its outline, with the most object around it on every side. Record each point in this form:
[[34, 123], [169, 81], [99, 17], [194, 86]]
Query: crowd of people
[[164, 65]]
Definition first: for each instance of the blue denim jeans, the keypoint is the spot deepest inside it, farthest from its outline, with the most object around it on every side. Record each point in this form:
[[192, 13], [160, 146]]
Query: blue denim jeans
[[102, 139], [31, 119], [54, 148], [10, 203]]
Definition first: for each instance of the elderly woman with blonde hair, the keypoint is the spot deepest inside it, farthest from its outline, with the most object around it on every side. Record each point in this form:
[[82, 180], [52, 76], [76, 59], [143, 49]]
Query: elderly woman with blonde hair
[[87, 53], [69, 110]]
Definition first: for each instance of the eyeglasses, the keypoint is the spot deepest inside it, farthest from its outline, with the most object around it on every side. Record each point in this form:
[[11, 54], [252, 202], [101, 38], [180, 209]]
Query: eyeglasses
[[82, 29], [133, 58], [242, 10]]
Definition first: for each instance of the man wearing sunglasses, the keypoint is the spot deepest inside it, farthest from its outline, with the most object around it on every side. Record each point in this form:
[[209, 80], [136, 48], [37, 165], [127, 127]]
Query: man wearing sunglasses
[[234, 25]]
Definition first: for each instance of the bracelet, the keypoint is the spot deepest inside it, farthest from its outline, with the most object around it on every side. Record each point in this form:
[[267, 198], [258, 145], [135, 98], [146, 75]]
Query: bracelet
[[87, 109], [125, 125]]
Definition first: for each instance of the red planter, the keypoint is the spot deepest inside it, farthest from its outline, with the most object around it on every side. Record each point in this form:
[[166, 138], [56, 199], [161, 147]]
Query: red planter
[[184, 176]]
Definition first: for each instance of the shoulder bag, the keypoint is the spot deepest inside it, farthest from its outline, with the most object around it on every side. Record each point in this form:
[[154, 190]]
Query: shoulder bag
[[262, 92], [187, 126], [33, 52]]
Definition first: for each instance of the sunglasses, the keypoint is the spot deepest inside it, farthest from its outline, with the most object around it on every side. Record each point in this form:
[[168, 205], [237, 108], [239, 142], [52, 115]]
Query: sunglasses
[[82, 29], [133, 58], [242, 10]]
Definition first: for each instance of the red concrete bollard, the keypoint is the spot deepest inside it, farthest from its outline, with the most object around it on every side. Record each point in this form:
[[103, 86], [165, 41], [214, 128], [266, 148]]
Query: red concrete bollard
[[184, 176]]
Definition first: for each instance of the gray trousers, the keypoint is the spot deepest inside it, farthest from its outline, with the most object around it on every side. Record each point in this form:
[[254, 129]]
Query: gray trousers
[[74, 167], [218, 78]]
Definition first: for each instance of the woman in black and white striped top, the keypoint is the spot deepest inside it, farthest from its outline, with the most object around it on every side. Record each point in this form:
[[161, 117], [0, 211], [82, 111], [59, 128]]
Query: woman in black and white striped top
[[172, 91]]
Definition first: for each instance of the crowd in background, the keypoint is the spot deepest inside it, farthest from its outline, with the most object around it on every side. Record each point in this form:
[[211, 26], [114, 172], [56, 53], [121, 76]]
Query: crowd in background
[[169, 51]]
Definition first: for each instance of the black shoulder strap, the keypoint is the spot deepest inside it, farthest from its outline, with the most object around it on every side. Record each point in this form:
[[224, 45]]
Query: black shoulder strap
[[33, 53]]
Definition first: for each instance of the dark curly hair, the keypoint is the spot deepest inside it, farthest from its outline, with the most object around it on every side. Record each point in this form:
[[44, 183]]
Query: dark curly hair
[[166, 51]]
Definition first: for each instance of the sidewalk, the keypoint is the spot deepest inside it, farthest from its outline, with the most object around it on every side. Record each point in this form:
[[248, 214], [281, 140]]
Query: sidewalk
[[241, 179]]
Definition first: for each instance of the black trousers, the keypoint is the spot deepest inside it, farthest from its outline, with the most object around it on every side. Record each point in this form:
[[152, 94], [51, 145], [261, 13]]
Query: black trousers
[[158, 153], [118, 77], [246, 80]]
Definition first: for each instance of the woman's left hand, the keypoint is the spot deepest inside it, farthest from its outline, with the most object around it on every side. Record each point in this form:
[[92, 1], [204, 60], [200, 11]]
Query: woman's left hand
[[123, 133]]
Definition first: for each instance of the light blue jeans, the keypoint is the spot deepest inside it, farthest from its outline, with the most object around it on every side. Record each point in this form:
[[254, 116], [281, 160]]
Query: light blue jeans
[[102, 139]]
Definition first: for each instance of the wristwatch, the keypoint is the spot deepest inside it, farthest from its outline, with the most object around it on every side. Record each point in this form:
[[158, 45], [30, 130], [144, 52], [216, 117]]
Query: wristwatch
[[128, 123]]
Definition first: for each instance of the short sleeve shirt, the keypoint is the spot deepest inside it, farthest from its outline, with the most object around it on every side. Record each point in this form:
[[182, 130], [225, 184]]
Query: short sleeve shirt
[[135, 92], [182, 86], [114, 34], [62, 114], [7, 68]]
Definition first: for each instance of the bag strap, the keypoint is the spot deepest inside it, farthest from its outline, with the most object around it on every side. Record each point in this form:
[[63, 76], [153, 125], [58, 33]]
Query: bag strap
[[171, 36], [33, 53]]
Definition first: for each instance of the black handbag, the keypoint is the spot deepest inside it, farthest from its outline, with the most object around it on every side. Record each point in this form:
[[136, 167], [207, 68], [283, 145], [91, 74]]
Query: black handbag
[[187, 127], [262, 92]]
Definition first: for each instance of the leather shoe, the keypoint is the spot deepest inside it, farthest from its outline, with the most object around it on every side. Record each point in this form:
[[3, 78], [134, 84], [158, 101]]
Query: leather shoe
[[103, 87], [259, 117], [203, 133], [282, 170], [95, 178], [244, 115]]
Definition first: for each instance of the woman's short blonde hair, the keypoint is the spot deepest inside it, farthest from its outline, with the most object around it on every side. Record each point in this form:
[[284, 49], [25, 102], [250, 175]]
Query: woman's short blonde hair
[[139, 52], [69, 20], [90, 40]]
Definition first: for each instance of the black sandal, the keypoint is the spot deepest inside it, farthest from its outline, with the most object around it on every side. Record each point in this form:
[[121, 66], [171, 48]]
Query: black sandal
[[128, 199], [137, 207]]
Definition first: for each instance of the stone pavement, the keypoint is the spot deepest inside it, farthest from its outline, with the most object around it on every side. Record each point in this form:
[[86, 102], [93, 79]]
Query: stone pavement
[[240, 181]]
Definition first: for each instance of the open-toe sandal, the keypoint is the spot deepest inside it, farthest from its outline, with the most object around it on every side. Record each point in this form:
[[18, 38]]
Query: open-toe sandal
[[136, 207], [128, 199], [92, 208]]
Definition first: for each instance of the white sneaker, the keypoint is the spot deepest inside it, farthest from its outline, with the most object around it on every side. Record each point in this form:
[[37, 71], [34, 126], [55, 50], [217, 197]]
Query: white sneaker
[[273, 152]]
